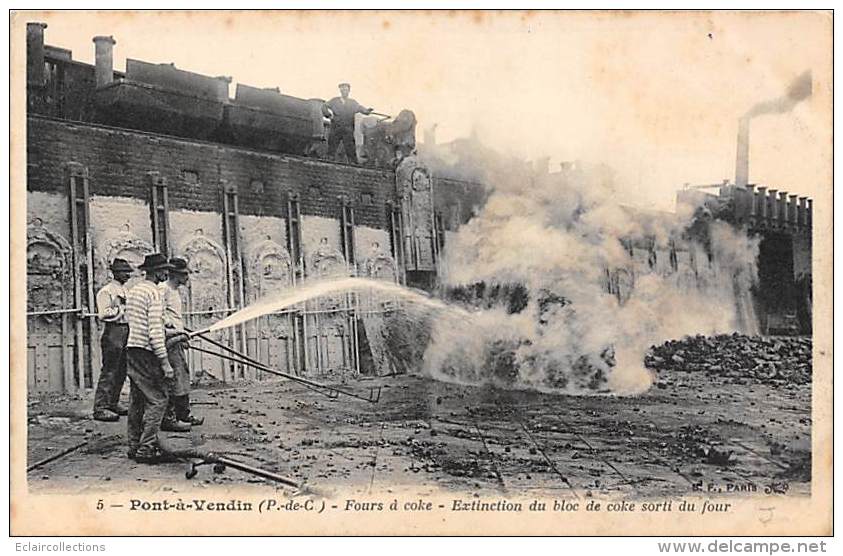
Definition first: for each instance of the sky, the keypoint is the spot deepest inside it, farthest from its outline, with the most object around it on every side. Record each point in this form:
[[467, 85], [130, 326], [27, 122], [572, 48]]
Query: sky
[[657, 96]]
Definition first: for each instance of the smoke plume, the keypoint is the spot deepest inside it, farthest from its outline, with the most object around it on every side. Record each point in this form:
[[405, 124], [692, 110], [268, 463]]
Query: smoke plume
[[596, 297], [798, 90]]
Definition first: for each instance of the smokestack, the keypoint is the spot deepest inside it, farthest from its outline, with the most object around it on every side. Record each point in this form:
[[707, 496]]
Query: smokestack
[[742, 162], [35, 54], [104, 60], [798, 90]]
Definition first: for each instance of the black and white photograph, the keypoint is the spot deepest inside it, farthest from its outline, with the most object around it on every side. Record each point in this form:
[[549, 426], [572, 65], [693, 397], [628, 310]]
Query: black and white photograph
[[421, 273]]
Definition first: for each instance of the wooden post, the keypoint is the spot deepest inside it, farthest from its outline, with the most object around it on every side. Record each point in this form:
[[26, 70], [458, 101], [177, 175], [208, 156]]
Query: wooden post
[[395, 226], [234, 267], [74, 171], [351, 298], [238, 260], [82, 254], [159, 208], [93, 333], [70, 385], [297, 321]]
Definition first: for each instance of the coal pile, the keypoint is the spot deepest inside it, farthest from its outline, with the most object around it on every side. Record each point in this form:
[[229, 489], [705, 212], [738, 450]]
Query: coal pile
[[735, 357]]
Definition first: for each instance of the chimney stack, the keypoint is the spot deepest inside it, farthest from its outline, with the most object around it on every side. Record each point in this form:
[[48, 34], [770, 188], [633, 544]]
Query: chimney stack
[[803, 209], [772, 204], [761, 210], [104, 60], [793, 210], [35, 75], [782, 207], [742, 159]]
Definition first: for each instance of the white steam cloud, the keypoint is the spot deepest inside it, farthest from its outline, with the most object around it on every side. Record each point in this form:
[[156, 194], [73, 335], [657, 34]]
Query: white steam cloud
[[595, 303]]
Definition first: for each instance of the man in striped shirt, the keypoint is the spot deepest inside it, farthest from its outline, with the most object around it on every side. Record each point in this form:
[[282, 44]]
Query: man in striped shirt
[[111, 304], [148, 365]]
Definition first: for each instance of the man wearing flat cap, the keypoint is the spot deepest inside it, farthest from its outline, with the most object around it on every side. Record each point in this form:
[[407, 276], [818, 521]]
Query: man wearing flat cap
[[148, 366], [111, 310], [342, 123], [178, 417]]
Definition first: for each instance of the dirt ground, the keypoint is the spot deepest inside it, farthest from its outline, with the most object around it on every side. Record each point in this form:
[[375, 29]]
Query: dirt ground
[[690, 431]]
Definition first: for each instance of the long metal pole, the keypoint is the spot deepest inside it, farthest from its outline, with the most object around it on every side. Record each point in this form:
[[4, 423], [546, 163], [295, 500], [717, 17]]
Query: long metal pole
[[55, 312], [243, 359], [240, 466], [315, 386], [54, 457]]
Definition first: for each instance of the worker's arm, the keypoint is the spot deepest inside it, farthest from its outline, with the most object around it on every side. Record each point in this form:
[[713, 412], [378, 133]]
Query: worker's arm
[[156, 334], [109, 307], [362, 109]]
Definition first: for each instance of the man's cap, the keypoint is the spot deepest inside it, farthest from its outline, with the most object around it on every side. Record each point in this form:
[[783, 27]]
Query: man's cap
[[344, 84], [155, 261], [179, 265], [120, 265]]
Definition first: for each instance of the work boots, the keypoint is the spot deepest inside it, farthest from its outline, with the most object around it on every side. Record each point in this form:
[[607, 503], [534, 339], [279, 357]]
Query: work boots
[[175, 426], [106, 415]]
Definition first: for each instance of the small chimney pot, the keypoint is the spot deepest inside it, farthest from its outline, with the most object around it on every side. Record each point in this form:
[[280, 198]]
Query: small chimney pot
[[782, 206], [35, 74], [801, 211], [104, 60], [772, 207], [762, 201], [792, 214]]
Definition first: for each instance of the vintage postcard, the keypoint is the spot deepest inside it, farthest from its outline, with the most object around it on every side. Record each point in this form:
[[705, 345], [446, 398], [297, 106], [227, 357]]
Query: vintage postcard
[[399, 272]]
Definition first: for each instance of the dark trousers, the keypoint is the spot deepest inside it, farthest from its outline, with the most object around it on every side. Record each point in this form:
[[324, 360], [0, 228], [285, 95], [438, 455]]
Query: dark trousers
[[346, 135], [148, 399], [113, 373], [179, 386]]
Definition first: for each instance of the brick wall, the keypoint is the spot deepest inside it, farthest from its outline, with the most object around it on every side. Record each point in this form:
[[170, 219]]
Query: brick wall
[[118, 162]]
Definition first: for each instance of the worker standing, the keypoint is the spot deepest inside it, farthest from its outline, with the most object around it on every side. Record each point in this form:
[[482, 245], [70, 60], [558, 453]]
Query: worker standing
[[178, 417], [111, 310], [343, 109], [147, 364]]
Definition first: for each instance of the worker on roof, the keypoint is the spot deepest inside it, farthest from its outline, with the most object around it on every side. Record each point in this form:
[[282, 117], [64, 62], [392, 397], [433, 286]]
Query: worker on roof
[[343, 109]]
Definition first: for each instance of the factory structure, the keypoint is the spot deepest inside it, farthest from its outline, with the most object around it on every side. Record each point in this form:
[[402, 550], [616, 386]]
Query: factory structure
[[156, 158]]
